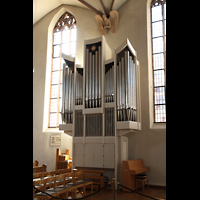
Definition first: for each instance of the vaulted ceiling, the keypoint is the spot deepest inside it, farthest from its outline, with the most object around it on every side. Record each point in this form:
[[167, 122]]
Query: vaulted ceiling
[[43, 7]]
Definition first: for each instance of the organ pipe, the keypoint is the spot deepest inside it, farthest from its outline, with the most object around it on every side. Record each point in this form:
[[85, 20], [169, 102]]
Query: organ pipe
[[67, 95], [126, 88], [79, 87], [109, 82], [93, 77]]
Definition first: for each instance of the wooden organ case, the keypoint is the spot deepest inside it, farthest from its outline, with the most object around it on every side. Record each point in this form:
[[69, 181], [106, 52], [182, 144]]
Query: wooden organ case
[[105, 105]]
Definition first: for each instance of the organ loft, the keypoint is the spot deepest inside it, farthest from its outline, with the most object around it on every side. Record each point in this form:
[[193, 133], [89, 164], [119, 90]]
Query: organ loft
[[101, 105]]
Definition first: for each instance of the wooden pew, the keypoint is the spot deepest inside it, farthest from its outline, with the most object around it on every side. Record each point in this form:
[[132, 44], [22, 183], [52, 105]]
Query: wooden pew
[[79, 176], [96, 176], [60, 186], [42, 168], [35, 163]]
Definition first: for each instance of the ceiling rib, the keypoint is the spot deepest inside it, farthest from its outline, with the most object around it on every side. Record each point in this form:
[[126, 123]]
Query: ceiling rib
[[91, 7]]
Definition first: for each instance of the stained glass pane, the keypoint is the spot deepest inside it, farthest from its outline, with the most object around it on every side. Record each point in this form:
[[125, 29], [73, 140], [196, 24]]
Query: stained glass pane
[[158, 61], [54, 91], [57, 38], [65, 48], [54, 105], [60, 119], [157, 29], [73, 48], [159, 78], [61, 76], [56, 64], [66, 36], [60, 104], [159, 95], [156, 13], [158, 45], [60, 90], [56, 51], [73, 34], [53, 120], [55, 77], [160, 113], [164, 10]]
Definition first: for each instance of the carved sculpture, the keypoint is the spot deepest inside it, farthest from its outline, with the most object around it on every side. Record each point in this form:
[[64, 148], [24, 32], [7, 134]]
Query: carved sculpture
[[105, 23]]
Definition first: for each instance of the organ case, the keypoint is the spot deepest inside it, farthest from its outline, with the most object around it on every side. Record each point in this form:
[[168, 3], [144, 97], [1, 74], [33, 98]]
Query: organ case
[[105, 104]]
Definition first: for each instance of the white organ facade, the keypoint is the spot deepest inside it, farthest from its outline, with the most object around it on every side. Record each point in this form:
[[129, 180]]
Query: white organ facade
[[101, 105]]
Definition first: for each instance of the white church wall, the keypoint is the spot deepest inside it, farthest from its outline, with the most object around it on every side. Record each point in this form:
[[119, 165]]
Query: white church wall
[[148, 144]]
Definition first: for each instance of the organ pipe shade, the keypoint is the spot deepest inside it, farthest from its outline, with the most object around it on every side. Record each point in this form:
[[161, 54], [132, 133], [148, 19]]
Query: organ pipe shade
[[79, 87], [93, 76], [109, 122], [67, 95], [79, 122], [126, 87], [94, 125], [109, 82]]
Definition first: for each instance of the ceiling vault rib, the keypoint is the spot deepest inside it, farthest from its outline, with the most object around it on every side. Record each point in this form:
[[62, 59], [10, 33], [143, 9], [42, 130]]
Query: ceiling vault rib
[[91, 7], [111, 5], [103, 7]]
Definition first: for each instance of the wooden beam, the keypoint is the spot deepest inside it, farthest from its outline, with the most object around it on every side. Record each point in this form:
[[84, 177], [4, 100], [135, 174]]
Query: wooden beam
[[111, 5], [91, 7], [103, 7]]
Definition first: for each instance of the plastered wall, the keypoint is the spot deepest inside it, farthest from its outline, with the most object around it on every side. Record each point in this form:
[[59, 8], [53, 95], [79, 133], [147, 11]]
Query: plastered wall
[[148, 144]]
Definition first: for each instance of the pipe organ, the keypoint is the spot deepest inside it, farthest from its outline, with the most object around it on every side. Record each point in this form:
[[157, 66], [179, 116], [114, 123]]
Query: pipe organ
[[101, 105]]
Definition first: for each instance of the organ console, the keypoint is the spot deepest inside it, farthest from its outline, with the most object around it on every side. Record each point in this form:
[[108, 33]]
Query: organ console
[[131, 168]]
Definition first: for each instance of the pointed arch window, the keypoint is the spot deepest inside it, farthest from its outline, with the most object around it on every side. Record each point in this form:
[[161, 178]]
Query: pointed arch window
[[158, 33], [64, 41]]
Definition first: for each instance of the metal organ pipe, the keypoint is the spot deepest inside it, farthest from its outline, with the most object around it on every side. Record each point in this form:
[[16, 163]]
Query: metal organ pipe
[[79, 87], [99, 52], [67, 95], [93, 78], [126, 88], [109, 83]]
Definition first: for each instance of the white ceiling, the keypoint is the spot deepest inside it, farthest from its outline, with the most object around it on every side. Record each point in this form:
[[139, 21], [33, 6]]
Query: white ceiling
[[43, 7]]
